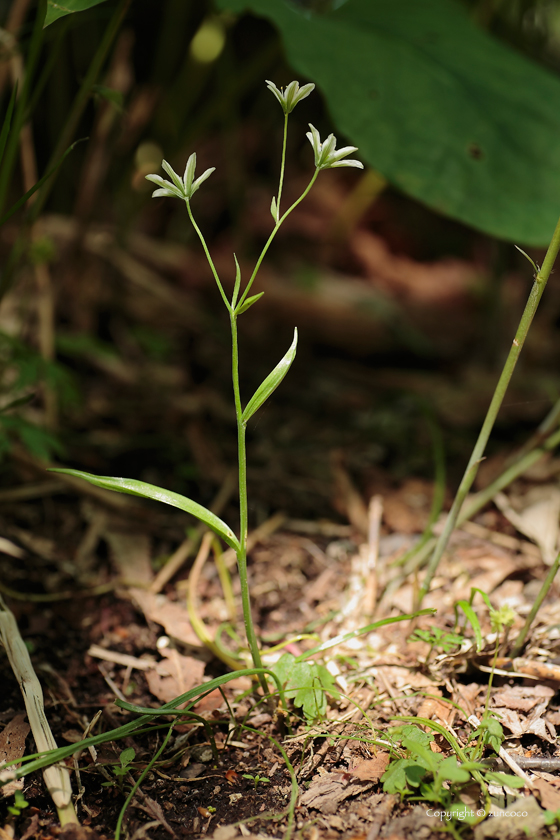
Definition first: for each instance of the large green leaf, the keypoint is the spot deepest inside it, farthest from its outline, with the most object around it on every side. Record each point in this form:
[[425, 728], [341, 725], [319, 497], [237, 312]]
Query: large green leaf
[[150, 491], [447, 113], [67, 7]]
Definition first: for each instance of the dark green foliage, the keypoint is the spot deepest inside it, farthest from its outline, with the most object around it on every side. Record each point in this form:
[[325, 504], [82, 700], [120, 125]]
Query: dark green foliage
[[444, 111]]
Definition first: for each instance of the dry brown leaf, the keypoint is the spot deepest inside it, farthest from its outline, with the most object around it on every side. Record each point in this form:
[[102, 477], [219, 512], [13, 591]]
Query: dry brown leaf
[[371, 769], [511, 720], [406, 510], [174, 676], [431, 707], [170, 614], [399, 677], [549, 796], [522, 698], [535, 514], [154, 809], [465, 696], [12, 746]]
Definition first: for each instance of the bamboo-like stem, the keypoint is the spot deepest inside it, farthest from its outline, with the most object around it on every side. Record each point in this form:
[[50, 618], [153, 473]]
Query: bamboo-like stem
[[57, 778], [535, 295]]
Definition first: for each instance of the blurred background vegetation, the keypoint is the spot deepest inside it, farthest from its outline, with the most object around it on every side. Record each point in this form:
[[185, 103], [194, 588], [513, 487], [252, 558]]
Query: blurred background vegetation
[[113, 346]]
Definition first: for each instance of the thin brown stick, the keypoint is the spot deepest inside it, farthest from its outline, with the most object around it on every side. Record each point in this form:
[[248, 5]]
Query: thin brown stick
[[375, 514]]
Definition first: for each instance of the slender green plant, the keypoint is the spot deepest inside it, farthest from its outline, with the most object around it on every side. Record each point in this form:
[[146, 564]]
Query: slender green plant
[[540, 280], [326, 157]]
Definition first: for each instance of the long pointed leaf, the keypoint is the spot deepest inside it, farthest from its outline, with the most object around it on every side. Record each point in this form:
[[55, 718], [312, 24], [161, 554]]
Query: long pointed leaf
[[473, 620], [168, 497], [39, 183], [248, 302], [7, 121], [271, 382]]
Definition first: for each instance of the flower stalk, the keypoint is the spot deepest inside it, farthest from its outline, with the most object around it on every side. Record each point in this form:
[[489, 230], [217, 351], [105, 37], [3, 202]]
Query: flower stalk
[[539, 285]]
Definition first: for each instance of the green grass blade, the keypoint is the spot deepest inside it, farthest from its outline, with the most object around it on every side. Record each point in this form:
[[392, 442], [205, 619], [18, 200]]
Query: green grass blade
[[271, 382], [168, 497], [39, 184], [344, 637], [472, 619], [7, 121]]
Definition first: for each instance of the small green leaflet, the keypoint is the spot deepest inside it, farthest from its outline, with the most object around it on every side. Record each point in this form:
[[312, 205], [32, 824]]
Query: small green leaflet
[[402, 775], [67, 7], [150, 491], [249, 302], [306, 683], [271, 382]]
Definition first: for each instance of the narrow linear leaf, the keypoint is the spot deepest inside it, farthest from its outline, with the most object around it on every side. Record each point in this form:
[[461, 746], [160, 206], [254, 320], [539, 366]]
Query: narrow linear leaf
[[353, 634], [527, 257], [57, 10], [7, 121], [271, 382], [17, 403], [39, 183], [168, 497], [249, 302], [483, 595], [237, 283], [115, 97], [505, 779], [472, 619], [442, 109]]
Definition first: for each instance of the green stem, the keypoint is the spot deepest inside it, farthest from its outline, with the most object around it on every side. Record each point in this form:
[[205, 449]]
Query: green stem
[[499, 393], [416, 556], [140, 779], [282, 167], [272, 235], [243, 507], [208, 256], [520, 641]]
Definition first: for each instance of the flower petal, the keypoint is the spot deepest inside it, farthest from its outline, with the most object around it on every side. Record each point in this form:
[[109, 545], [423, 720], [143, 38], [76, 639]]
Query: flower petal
[[358, 164], [315, 139], [166, 194], [328, 147], [289, 95], [201, 179], [156, 179], [278, 94], [172, 174], [305, 91], [340, 153], [188, 177]]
